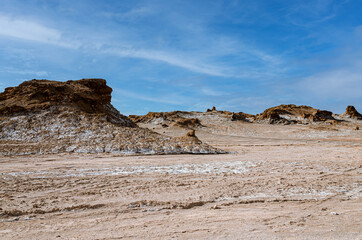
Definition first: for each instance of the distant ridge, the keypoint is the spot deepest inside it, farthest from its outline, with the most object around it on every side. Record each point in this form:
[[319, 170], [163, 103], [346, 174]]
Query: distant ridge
[[282, 114]]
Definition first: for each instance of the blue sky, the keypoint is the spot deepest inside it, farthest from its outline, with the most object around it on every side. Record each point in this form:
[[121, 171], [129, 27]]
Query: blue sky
[[160, 55]]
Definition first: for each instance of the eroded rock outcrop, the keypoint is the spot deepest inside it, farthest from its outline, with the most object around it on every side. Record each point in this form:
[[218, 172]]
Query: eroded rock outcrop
[[240, 116], [159, 117], [288, 114], [190, 137], [351, 112], [189, 123], [191, 119], [42, 116], [89, 96], [213, 109], [177, 118]]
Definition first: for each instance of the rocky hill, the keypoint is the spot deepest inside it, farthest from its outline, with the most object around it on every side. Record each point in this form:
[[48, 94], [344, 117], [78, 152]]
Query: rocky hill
[[41, 116], [191, 120], [90, 96], [287, 114]]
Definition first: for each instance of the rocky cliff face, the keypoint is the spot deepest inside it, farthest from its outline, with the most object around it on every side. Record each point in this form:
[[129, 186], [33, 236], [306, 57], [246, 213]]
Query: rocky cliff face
[[42, 116], [90, 96]]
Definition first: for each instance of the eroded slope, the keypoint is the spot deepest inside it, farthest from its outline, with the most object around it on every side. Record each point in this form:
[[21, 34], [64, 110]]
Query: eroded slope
[[42, 116]]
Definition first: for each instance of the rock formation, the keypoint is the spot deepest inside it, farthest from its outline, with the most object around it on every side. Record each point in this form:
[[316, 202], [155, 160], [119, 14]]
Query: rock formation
[[158, 117], [190, 137], [323, 115], [287, 114], [177, 118], [189, 123], [89, 96], [211, 110], [240, 116], [42, 116], [191, 119], [351, 112]]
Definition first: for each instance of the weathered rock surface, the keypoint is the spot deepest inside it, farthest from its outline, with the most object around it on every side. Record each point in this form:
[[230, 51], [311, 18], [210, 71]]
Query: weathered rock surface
[[287, 114], [189, 123], [190, 137], [42, 116], [191, 119], [213, 109], [158, 116], [91, 96], [351, 112], [240, 116], [282, 114]]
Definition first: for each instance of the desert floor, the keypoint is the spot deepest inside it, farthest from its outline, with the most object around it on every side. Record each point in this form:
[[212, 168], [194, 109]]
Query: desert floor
[[278, 182]]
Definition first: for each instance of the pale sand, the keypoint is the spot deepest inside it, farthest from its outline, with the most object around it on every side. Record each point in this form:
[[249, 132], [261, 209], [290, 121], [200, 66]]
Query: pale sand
[[280, 182]]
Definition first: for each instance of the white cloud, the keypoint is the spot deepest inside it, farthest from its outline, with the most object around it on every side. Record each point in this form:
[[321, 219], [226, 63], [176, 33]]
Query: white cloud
[[166, 99], [32, 31], [26, 72], [198, 57], [309, 13], [171, 59], [212, 92], [196, 61], [342, 83], [134, 14], [137, 12], [27, 30]]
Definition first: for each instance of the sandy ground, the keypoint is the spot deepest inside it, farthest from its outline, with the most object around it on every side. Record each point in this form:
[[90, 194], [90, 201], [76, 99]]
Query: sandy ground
[[278, 182]]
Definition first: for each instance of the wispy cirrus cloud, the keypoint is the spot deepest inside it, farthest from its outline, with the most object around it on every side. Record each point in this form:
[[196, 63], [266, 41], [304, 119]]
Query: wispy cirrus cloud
[[311, 12], [173, 99], [131, 15], [212, 92], [171, 59], [245, 55], [341, 83], [32, 31], [25, 72], [192, 60], [27, 30], [197, 49]]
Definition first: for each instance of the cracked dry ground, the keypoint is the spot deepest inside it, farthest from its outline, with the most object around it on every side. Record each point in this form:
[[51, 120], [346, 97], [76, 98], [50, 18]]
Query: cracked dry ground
[[272, 188]]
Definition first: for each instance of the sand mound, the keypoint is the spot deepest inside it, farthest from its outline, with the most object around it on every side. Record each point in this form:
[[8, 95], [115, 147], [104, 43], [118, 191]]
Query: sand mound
[[41, 116], [351, 112]]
